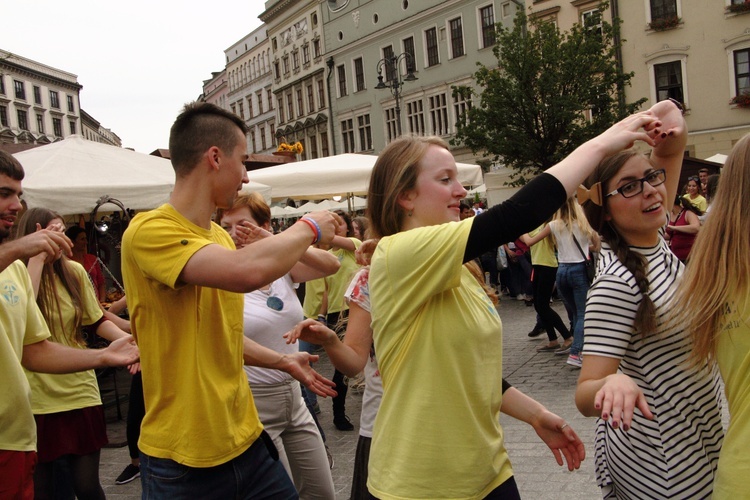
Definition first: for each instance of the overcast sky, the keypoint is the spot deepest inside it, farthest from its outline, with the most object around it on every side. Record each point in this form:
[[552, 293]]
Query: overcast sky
[[138, 61]]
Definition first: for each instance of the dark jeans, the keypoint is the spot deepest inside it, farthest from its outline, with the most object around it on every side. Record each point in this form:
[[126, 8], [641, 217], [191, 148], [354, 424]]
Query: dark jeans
[[543, 283], [255, 474]]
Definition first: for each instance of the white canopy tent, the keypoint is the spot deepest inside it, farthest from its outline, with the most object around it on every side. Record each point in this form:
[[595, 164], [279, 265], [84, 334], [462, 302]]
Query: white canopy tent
[[718, 158], [334, 175], [69, 177]]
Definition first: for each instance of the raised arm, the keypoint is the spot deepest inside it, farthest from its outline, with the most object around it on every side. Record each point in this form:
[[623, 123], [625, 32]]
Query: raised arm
[[258, 264]]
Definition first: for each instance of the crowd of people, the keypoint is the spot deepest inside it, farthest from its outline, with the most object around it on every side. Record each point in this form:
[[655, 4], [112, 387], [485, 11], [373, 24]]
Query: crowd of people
[[224, 387]]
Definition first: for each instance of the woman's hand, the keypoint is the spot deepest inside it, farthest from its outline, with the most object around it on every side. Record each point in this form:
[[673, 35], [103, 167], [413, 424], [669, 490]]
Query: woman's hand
[[644, 126], [618, 398], [246, 233], [364, 253], [560, 438], [312, 331], [298, 366]]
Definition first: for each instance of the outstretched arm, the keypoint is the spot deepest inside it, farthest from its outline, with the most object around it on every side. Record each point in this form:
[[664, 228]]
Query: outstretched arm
[[552, 429], [297, 365], [52, 357]]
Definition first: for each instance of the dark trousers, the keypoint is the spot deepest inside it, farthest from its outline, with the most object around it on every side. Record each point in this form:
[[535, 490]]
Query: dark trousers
[[543, 283]]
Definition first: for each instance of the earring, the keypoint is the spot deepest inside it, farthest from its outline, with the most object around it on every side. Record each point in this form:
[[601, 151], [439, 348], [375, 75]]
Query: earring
[[409, 213]]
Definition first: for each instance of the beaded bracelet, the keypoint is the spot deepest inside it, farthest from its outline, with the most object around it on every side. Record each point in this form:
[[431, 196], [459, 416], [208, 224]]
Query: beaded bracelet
[[315, 228]]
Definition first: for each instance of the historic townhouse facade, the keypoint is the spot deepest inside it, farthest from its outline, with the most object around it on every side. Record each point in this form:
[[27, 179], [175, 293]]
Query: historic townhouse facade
[[39, 104], [249, 93], [92, 130], [692, 50], [215, 89], [442, 42], [300, 74]]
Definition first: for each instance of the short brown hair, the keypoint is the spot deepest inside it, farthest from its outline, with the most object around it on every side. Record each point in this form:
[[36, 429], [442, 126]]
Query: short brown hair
[[258, 207], [200, 126], [10, 166]]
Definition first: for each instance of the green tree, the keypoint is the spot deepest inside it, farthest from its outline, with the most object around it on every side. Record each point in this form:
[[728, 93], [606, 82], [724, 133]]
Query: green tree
[[550, 92]]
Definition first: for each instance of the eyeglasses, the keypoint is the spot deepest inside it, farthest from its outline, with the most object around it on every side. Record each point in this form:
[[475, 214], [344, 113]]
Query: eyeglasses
[[635, 187]]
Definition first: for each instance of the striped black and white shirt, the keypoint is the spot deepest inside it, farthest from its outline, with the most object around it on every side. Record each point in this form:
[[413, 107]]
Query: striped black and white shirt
[[675, 454]]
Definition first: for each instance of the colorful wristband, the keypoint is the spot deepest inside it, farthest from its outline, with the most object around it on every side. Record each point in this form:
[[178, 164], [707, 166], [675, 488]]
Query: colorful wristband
[[314, 227]]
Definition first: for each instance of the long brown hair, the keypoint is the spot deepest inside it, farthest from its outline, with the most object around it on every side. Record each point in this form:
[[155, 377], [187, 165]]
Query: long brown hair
[[719, 266], [395, 172], [645, 323], [48, 296]]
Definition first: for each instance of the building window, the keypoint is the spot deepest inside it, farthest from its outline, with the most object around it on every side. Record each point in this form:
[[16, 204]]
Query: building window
[[390, 69], [71, 107], [20, 89], [411, 59], [252, 141], [40, 123], [359, 74], [306, 54], [323, 144], [290, 106], [588, 16], [276, 71], [4, 116], [273, 131], [72, 124], [341, 71], [321, 95], [431, 42], [487, 20], [310, 99], [313, 147], [281, 109], [295, 60], [242, 109], [2, 85], [415, 117], [300, 104], [347, 135], [260, 102], [742, 71], [285, 64], [365, 132], [457, 37], [316, 48], [23, 120], [663, 9], [54, 99], [439, 114], [262, 138], [234, 109], [37, 95], [668, 78], [250, 106], [460, 106], [391, 124], [269, 95]]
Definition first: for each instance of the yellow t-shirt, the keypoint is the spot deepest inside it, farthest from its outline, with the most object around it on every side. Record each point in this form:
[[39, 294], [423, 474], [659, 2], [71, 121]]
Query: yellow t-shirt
[[543, 252], [199, 410], [21, 323], [439, 343], [337, 283], [313, 297], [55, 393], [733, 355], [698, 202]]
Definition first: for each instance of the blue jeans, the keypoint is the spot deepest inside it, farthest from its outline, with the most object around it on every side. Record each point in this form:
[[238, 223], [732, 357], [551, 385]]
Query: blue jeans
[[253, 474], [573, 286]]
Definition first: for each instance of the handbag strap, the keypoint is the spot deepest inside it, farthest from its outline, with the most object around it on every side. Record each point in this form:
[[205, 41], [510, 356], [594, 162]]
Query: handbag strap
[[579, 247]]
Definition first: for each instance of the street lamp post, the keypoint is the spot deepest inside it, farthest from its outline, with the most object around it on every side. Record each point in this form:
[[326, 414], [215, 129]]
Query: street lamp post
[[397, 81]]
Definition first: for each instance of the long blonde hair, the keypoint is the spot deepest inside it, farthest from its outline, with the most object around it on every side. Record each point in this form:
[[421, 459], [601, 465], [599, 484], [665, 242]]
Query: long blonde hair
[[572, 216], [719, 268]]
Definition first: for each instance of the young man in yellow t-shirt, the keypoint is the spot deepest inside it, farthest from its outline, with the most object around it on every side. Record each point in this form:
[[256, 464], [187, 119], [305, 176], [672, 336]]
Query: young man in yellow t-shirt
[[23, 339], [184, 281]]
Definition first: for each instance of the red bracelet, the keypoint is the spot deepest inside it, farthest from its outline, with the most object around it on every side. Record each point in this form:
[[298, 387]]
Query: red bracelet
[[312, 227]]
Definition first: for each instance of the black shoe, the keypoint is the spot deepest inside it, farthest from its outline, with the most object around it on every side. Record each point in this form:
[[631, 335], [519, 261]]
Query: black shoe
[[130, 473], [536, 331], [343, 423]]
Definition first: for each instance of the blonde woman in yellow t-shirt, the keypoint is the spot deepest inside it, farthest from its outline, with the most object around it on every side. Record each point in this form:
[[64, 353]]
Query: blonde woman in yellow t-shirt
[[438, 336], [67, 407]]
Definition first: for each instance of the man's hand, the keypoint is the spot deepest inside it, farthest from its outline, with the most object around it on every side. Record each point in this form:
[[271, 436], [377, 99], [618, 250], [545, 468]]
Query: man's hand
[[328, 222], [298, 366], [51, 242]]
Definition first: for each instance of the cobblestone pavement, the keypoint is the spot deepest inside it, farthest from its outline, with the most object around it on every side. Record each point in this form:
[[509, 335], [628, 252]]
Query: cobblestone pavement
[[543, 376]]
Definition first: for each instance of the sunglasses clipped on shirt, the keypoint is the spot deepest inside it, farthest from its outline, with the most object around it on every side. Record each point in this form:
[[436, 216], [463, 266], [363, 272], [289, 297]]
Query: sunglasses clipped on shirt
[[633, 188]]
